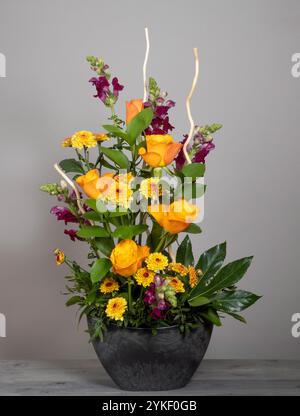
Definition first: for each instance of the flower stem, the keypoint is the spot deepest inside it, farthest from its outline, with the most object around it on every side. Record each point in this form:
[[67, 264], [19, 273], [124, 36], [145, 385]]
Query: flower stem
[[129, 297]]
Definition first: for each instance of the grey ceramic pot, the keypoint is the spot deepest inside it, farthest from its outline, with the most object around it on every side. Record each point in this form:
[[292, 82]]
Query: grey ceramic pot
[[137, 360]]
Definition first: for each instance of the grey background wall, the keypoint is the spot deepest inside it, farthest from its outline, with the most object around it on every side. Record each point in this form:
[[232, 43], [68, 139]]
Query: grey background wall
[[253, 175]]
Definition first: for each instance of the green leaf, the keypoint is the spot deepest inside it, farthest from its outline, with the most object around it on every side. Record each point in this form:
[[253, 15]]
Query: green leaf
[[155, 236], [105, 245], [116, 156], [238, 317], [91, 232], [194, 170], [91, 203], [225, 277], [211, 260], [185, 253], [138, 124], [212, 316], [193, 229], [115, 131], [73, 300], [126, 232], [199, 301], [234, 301], [71, 165], [100, 269], [189, 190], [92, 216]]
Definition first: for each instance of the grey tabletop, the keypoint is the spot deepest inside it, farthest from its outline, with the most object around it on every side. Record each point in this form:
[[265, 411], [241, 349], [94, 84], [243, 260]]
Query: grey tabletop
[[87, 377]]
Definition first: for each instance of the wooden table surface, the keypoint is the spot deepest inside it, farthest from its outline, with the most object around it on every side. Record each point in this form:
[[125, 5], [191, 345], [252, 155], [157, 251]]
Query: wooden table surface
[[87, 377]]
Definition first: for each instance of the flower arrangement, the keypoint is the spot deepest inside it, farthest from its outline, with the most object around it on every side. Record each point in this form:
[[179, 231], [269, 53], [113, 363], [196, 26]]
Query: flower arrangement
[[130, 202]]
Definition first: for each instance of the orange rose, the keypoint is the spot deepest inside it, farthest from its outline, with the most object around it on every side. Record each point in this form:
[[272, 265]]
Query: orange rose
[[92, 184], [161, 150], [133, 108], [176, 217], [127, 257]]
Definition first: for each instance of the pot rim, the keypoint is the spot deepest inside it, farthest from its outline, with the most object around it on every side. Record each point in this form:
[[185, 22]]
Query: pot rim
[[137, 328]]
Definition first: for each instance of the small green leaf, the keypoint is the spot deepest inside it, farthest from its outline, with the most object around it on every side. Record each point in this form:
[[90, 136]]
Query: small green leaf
[[126, 232], [199, 301], [212, 316], [100, 269], [115, 131], [138, 124], [237, 317], [91, 232], [194, 170], [116, 156], [71, 165], [73, 300], [91, 203], [193, 229], [105, 245], [185, 253], [92, 216]]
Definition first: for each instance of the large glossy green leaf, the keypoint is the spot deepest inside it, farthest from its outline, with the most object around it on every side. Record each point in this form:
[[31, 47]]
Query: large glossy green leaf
[[71, 165], [224, 278], [100, 269], [128, 231], [234, 301], [116, 156], [138, 124], [194, 170], [115, 131], [105, 245], [185, 252], [92, 231]]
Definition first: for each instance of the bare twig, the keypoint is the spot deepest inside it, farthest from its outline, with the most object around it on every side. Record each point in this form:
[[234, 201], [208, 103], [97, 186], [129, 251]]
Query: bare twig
[[145, 63]]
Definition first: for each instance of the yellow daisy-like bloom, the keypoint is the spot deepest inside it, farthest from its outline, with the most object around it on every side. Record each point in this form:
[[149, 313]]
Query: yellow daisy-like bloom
[[193, 278], [150, 188], [59, 256], [178, 268], [67, 142], [177, 284], [109, 285], [156, 261], [83, 139], [144, 277], [116, 308], [101, 137], [126, 178], [119, 193]]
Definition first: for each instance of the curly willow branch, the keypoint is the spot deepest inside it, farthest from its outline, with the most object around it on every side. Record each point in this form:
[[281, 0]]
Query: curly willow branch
[[188, 109], [72, 185], [145, 63]]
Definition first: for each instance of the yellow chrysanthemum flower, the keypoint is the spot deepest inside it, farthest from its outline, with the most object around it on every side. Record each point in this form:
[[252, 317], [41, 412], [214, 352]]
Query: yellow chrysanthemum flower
[[67, 142], [177, 285], [150, 188], [193, 278], [144, 277], [119, 193], [59, 256], [115, 309], [83, 138], [101, 137], [178, 268], [109, 285], [156, 261]]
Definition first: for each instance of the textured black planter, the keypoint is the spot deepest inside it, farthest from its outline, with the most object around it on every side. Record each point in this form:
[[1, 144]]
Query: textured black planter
[[137, 360]]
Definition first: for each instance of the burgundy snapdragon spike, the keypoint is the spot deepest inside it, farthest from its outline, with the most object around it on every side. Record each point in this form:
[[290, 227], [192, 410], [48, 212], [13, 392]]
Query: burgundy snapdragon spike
[[63, 214]]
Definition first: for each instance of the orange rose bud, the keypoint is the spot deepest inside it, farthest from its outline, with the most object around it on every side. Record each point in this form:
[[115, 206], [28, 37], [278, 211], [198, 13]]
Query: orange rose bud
[[176, 217], [127, 257], [133, 108], [161, 150], [94, 185]]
